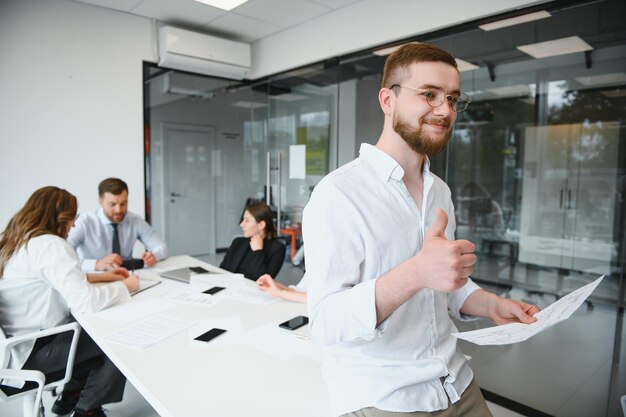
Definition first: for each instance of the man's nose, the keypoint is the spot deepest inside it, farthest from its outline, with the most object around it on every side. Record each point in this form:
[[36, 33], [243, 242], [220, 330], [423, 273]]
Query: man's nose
[[444, 109]]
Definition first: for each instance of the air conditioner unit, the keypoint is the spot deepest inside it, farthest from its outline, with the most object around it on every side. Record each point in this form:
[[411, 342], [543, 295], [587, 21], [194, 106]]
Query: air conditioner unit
[[203, 54]]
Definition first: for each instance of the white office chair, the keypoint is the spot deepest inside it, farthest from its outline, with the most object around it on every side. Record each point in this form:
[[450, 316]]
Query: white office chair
[[34, 380]]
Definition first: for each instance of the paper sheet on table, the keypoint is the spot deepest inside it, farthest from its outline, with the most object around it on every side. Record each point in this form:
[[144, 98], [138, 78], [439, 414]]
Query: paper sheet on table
[[136, 309], [249, 294], [189, 296], [219, 280], [149, 332], [556, 312], [272, 340]]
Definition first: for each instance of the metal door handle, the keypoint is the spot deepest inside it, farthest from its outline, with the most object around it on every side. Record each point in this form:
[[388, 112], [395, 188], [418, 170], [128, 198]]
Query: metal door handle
[[569, 199], [175, 195]]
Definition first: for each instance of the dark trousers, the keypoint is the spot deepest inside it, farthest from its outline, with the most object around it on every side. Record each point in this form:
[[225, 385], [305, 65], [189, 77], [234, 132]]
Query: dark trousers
[[94, 375]]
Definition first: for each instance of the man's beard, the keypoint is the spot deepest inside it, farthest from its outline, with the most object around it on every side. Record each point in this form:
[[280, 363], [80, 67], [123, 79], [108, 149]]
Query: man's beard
[[418, 140]]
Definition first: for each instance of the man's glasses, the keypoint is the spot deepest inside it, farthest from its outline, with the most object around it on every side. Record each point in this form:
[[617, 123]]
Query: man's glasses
[[436, 95]]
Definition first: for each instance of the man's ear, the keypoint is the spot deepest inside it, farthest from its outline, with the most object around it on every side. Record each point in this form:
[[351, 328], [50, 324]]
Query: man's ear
[[386, 98]]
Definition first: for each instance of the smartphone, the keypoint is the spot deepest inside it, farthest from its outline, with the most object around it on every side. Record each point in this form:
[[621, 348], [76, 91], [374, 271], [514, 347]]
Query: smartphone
[[132, 264], [294, 323], [210, 335], [213, 290], [198, 270]]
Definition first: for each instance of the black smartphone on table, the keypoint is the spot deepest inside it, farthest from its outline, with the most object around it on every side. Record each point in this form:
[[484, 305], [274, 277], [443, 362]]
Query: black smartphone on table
[[213, 290], [294, 323], [210, 335]]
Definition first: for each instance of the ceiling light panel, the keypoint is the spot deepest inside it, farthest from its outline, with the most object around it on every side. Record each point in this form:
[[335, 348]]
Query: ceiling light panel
[[389, 50], [465, 66], [223, 4], [249, 104], [603, 79], [510, 90], [556, 47], [530, 17]]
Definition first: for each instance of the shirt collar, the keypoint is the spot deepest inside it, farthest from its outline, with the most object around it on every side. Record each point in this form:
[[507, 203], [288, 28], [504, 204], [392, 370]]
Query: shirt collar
[[384, 165]]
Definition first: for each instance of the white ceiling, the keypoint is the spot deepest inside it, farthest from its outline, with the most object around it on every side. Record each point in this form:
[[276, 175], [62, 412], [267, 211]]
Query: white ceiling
[[249, 22]]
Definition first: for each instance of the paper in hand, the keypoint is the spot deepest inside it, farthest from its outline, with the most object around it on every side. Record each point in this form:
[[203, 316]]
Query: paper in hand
[[556, 312]]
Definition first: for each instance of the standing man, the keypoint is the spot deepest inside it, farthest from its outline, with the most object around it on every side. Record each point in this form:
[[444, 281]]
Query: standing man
[[104, 238], [383, 268]]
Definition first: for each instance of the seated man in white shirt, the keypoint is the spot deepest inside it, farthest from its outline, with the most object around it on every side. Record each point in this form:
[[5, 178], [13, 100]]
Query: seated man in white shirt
[[383, 268], [106, 237]]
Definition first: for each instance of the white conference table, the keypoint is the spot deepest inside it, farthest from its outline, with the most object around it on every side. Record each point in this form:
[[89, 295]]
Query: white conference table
[[180, 377]]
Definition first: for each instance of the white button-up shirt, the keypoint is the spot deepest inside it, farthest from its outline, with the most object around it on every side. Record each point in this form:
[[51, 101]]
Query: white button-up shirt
[[40, 283], [92, 237], [361, 222]]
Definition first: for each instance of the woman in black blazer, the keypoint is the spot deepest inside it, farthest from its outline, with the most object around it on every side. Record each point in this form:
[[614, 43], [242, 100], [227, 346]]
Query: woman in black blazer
[[256, 253]]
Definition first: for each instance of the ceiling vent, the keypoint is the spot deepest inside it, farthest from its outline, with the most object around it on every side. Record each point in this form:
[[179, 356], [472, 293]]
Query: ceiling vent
[[203, 54]]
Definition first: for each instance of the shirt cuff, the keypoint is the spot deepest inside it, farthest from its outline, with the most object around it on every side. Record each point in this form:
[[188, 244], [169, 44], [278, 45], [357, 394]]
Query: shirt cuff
[[88, 265], [457, 298], [362, 302]]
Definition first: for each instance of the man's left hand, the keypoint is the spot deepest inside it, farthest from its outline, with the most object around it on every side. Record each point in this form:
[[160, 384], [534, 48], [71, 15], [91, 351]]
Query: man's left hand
[[507, 311]]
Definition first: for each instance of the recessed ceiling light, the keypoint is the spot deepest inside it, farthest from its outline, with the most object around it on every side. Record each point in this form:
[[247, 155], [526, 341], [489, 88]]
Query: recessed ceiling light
[[613, 78], [288, 97], [249, 104], [223, 4], [464, 65], [387, 51], [515, 20], [510, 90], [556, 47], [614, 93]]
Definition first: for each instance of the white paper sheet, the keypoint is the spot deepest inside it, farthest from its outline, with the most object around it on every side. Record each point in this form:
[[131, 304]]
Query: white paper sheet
[[297, 162], [249, 294], [138, 308], [518, 332], [149, 332], [190, 296], [219, 280], [272, 340]]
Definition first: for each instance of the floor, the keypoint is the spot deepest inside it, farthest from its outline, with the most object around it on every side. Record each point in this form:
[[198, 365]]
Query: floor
[[561, 372]]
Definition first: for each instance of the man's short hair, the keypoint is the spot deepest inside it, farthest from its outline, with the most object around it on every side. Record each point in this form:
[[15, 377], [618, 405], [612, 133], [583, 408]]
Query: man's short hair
[[114, 186], [397, 64]]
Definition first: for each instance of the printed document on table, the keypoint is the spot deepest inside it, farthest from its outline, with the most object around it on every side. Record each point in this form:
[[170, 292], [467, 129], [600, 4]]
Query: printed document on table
[[149, 332], [556, 312]]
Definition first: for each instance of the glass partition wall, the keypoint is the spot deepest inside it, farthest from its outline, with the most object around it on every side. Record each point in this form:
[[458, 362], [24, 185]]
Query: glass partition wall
[[536, 165]]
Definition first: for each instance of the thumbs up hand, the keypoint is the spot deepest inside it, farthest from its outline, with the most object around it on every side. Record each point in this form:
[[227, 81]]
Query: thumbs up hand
[[442, 264]]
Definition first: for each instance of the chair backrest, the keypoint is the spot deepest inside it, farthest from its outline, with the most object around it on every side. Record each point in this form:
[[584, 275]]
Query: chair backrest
[[34, 380]]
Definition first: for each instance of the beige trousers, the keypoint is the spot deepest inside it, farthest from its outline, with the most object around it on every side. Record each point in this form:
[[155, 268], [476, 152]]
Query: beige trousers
[[471, 404]]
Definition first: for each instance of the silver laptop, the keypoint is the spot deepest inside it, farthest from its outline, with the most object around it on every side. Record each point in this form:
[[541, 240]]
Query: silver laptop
[[184, 274]]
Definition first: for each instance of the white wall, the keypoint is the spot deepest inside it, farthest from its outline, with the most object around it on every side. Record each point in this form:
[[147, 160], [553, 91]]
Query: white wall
[[366, 24], [70, 100]]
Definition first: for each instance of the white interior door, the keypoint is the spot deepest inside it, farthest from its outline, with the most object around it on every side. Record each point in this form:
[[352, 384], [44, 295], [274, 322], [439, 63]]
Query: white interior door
[[189, 189]]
